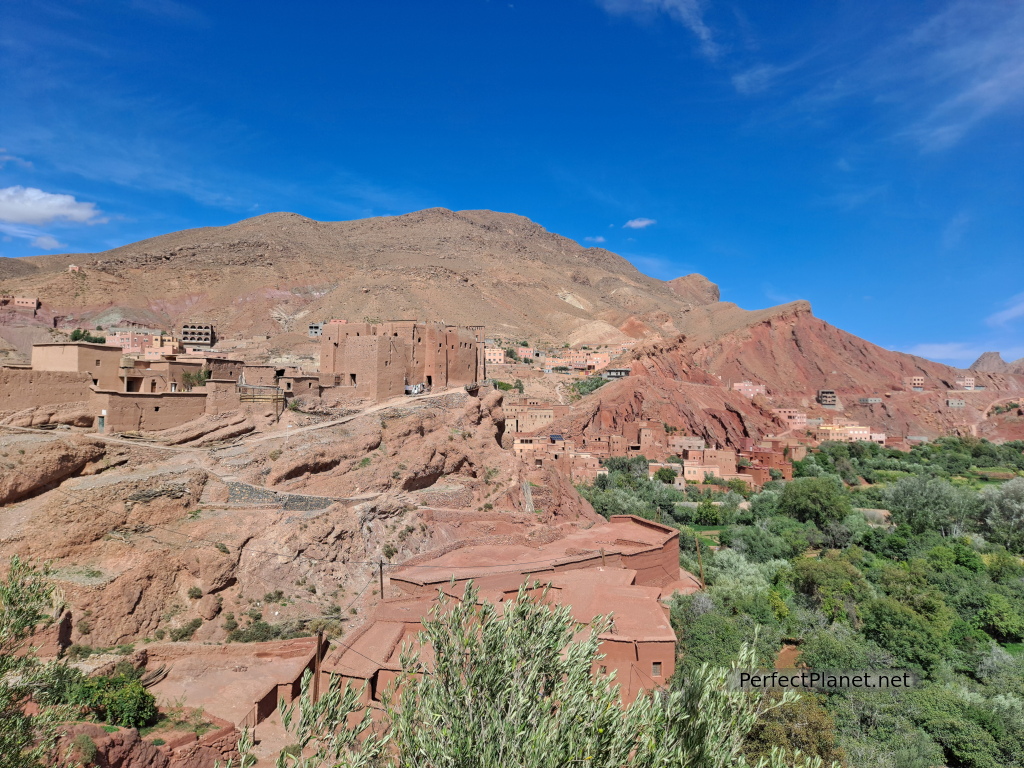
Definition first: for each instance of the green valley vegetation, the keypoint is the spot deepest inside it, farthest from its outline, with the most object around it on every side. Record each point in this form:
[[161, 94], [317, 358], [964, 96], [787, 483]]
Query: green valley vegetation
[[520, 685], [584, 387], [937, 588]]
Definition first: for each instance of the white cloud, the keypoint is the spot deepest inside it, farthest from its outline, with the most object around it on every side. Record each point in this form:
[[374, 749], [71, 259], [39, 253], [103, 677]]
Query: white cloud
[[1014, 310], [597, 239], [27, 205], [47, 243], [756, 79], [640, 223], [939, 80], [6, 158], [955, 230], [689, 13]]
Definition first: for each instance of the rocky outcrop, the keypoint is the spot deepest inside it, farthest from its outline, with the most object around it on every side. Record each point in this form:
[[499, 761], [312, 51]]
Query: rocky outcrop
[[49, 463], [123, 748], [206, 430], [992, 362], [695, 289], [71, 414], [89, 744]]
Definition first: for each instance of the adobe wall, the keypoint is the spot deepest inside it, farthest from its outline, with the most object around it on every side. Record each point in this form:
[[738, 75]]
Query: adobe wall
[[260, 375], [221, 396], [378, 360], [656, 567], [62, 357], [215, 748], [135, 412], [21, 388]]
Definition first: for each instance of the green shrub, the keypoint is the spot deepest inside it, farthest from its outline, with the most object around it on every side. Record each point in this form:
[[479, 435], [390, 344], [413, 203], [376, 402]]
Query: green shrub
[[127, 703], [195, 593], [185, 632], [85, 747], [820, 500]]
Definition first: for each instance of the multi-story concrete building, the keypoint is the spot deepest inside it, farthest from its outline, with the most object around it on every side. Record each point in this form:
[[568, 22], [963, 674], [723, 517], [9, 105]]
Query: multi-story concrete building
[[198, 335], [494, 356], [378, 360], [828, 398]]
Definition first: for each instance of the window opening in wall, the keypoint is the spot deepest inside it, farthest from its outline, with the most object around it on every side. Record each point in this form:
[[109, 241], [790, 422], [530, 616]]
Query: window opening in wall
[[174, 386], [656, 669], [156, 407], [98, 362], [96, 382]]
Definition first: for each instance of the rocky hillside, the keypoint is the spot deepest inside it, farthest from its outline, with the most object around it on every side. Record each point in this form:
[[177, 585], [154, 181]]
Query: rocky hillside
[[686, 381], [993, 362], [275, 273]]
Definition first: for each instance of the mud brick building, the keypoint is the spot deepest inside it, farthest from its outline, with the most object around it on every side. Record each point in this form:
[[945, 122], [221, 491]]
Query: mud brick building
[[378, 360], [623, 568]]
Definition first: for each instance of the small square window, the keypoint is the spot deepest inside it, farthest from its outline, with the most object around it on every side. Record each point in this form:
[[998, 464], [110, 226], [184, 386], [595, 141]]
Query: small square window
[[156, 407], [656, 669], [98, 362]]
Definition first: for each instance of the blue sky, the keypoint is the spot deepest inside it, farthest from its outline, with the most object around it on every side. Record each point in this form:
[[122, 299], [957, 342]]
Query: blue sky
[[866, 156]]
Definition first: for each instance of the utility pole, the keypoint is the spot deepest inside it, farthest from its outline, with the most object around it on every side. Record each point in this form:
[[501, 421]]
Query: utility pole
[[380, 567]]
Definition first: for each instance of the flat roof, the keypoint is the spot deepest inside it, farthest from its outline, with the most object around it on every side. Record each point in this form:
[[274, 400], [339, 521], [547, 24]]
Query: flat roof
[[77, 344], [623, 534]]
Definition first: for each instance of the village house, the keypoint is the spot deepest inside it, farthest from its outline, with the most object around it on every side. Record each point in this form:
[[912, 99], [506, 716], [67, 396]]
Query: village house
[[20, 303], [378, 360], [965, 382], [555, 451], [748, 388], [791, 417], [616, 373], [529, 414], [101, 362], [842, 431], [494, 356], [679, 443], [828, 398], [622, 568]]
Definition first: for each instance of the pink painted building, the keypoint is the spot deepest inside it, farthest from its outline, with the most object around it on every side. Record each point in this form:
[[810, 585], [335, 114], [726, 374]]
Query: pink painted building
[[748, 388]]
